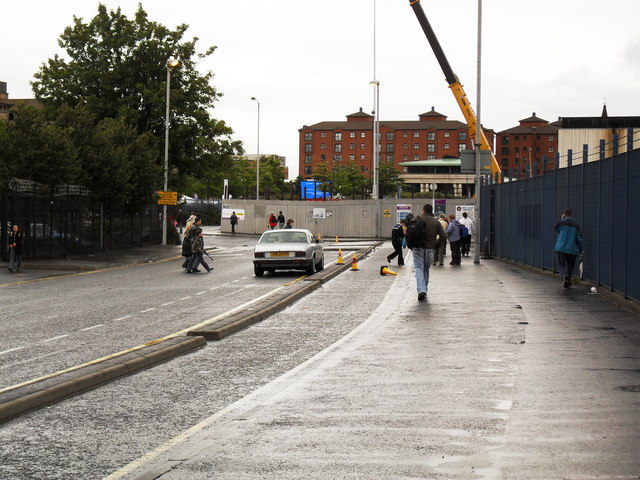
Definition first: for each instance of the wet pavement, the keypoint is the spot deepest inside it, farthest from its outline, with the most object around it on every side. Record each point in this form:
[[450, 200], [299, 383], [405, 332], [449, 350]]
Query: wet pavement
[[501, 374]]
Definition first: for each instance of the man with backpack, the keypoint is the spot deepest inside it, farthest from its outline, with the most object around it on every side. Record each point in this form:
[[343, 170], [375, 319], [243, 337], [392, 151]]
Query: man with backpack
[[424, 234], [466, 232]]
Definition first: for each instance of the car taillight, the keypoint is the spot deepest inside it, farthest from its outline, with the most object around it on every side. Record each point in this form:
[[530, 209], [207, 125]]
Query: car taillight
[[259, 255], [299, 254]]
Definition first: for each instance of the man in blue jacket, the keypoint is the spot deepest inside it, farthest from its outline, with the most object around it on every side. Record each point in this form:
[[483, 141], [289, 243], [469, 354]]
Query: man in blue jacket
[[569, 245]]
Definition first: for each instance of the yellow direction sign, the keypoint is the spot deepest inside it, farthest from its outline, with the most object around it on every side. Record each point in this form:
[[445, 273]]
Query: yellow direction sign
[[167, 198]]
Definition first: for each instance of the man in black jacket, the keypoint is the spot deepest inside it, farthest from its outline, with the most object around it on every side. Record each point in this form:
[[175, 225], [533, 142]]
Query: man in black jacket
[[15, 240], [431, 237]]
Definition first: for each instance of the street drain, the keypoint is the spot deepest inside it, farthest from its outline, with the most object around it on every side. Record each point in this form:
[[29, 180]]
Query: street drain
[[629, 388]]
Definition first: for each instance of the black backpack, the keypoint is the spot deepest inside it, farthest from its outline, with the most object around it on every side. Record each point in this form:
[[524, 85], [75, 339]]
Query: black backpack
[[416, 233]]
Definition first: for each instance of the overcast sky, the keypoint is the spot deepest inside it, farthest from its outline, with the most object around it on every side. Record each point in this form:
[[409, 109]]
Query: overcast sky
[[310, 61]]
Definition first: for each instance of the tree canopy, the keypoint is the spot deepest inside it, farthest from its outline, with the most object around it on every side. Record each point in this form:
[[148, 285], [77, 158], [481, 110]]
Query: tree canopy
[[114, 79]]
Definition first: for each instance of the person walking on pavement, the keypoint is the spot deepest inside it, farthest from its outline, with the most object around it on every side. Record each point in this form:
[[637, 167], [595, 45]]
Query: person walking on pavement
[[273, 221], [281, 220], [234, 221], [397, 234], [289, 224], [197, 249], [15, 240], [465, 241], [438, 254], [569, 245], [453, 234], [430, 235]]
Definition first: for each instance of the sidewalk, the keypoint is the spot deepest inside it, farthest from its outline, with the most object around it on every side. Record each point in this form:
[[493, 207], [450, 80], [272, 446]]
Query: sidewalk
[[502, 374]]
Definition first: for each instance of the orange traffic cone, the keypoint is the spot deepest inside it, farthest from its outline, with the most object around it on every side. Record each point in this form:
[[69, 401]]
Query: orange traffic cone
[[339, 261], [385, 271], [336, 238], [354, 263]]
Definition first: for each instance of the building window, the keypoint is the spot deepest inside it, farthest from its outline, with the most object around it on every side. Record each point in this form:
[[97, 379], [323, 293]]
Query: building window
[[462, 135], [352, 157], [516, 137], [431, 157], [337, 158], [363, 169], [362, 146], [461, 146], [307, 148], [352, 146], [323, 146], [446, 146], [389, 136], [323, 135], [389, 158], [337, 148], [308, 136], [505, 163], [362, 134], [337, 136], [431, 147], [416, 134], [405, 157], [405, 145], [416, 158], [517, 149], [551, 137], [505, 151], [431, 135], [307, 159], [323, 157], [505, 140], [352, 134], [389, 148], [550, 150], [416, 146], [405, 134], [362, 157], [308, 170], [446, 134]]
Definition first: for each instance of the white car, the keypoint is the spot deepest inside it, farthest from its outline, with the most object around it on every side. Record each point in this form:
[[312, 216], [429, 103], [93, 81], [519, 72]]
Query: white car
[[288, 249]]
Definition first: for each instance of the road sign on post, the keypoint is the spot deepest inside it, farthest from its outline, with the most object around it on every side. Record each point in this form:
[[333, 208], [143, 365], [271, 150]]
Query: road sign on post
[[468, 162], [167, 198]]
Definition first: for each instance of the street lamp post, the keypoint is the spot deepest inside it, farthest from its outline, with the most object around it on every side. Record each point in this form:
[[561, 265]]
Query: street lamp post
[[171, 64], [258, 152]]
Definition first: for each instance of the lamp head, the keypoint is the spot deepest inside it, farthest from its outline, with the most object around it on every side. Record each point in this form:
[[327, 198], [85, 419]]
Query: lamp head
[[173, 63]]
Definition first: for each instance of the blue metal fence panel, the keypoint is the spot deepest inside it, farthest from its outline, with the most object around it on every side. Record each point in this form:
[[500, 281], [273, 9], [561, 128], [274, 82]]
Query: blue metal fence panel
[[519, 216]]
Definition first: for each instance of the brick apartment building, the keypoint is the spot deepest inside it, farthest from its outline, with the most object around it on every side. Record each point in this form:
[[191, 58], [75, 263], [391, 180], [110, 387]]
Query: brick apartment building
[[430, 137], [524, 147]]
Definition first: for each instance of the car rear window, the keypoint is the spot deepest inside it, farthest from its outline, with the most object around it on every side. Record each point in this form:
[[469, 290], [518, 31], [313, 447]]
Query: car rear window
[[284, 237]]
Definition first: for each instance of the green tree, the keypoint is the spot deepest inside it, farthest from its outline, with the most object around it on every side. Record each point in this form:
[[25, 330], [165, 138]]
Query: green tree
[[350, 180], [272, 181], [323, 173], [389, 179], [117, 69]]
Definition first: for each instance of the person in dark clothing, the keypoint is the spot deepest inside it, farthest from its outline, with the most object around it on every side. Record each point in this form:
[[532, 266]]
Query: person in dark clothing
[[433, 235], [281, 220], [397, 234], [289, 224], [197, 249], [15, 241], [234, 221], [569, 245], [453, 234], [186, 245]]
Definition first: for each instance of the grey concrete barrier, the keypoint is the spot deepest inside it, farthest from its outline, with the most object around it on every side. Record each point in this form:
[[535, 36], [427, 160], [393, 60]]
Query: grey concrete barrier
[[31, 397]]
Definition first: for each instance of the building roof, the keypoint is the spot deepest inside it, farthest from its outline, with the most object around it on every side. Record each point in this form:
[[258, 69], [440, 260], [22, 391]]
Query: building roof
[[439, 162], [601, 122], [521, 130], [392, 124]]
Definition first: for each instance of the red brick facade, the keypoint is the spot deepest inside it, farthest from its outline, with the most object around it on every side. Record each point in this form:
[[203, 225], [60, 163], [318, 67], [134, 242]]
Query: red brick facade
[[432, 136], [521, 148]]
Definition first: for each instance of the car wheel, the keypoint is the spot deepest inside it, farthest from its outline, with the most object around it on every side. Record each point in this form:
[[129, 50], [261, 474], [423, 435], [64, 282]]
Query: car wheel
[[259, 271], [320, 265], [311, 269]]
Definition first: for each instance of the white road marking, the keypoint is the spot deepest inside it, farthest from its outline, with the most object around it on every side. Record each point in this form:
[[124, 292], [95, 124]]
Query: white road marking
[[54, 338], [91, 328], [12, 350], [200, 293], [122, 318], [168, 303], [184, 298], [147, 310]]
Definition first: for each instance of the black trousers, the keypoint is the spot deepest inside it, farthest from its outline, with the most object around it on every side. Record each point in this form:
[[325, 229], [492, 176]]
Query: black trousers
[[397, 252]]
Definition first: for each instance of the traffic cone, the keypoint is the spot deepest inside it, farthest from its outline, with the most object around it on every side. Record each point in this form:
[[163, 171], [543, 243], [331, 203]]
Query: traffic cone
[[319, 237], [354, 263], [336, 238], [385, 271], [339, 261]]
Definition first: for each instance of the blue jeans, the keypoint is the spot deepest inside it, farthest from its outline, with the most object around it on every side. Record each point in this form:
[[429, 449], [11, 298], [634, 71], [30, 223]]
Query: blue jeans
[[195, 260], [422, 258]]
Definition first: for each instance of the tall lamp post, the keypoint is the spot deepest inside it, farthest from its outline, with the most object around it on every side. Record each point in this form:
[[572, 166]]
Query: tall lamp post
[[171, 64], [258, 152]]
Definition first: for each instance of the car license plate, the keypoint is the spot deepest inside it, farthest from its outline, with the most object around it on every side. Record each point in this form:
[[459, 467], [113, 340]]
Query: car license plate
[[279, 254]]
